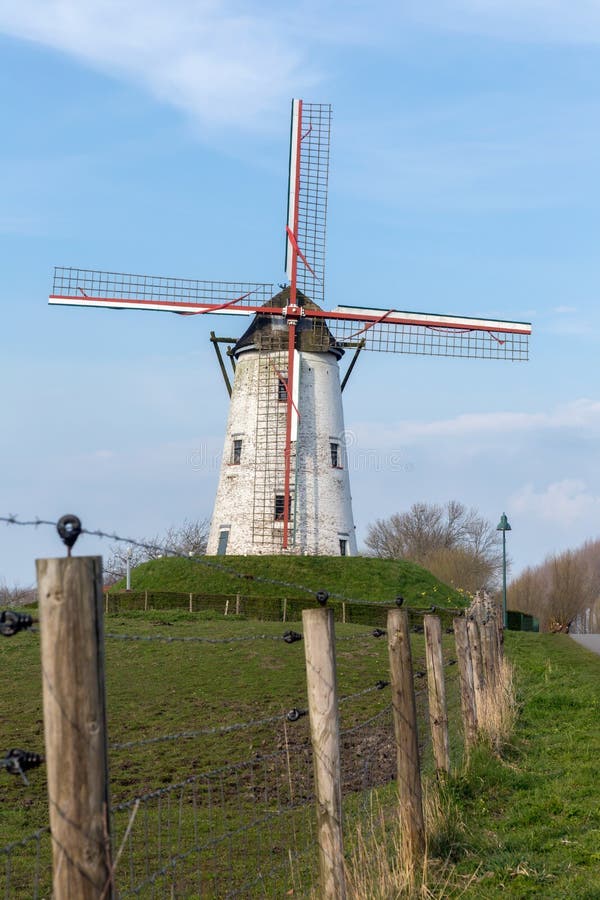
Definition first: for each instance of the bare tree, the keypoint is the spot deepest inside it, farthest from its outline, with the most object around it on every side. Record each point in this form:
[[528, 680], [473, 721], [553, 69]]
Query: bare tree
[[17, 595], [526, 592], [187, 539], [570, 590], [455, 543], [560, 588], [461, 568]]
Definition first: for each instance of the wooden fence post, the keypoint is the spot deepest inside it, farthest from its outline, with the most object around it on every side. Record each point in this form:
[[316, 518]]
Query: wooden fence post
[[467, 689], [489, 643], [436, 690], [285, 609], [407, 744], [319, 650], [145, 601], [237, 604], [344, 612], [477, 664], [72, 656], [191, 602]]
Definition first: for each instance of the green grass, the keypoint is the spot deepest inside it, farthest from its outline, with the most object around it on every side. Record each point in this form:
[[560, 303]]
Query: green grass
[[530, 820], [354, 577], [156, 688]]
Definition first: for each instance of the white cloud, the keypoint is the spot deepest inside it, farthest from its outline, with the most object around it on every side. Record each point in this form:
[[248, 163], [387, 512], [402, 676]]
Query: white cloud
[[565, 310], [582, 413], [228, 62], [205, 57], [561, 502]]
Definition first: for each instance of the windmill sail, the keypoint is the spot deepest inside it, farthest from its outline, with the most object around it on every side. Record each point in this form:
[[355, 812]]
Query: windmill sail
[[307, 197], [284, 483], [426, 334], [117, 290]]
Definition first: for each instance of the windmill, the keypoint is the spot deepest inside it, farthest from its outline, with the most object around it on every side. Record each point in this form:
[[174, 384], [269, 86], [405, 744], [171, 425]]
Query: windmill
[[284, 484]]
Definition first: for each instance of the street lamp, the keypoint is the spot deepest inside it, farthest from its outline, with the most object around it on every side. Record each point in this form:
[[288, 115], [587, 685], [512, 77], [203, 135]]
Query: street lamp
[[504, 526], [128, 573]]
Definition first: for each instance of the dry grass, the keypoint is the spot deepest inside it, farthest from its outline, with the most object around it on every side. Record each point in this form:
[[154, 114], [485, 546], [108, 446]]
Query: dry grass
[[379, 869], [498, 712]]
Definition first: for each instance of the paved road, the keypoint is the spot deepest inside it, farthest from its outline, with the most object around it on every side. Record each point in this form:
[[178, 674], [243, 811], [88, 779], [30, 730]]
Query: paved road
[[591, 641]]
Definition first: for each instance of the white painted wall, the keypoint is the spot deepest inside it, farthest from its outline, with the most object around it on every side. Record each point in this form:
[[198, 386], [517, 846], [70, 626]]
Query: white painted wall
[[235, 493], [322, 501]]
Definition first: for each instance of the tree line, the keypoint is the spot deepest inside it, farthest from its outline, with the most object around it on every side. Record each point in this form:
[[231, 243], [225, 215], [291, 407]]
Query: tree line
[[560, 588]]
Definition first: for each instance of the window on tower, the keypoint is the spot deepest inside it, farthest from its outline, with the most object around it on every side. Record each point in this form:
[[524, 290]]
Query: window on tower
[[236, 454], [336, 454], [279, 507], [282, 389], [223, 540]]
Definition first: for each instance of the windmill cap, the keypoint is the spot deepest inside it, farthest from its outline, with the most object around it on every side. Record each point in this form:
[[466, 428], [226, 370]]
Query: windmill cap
[[270, 333]]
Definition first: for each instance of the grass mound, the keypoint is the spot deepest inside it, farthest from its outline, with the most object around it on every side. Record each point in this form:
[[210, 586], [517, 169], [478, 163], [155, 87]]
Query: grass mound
[[356, 577]]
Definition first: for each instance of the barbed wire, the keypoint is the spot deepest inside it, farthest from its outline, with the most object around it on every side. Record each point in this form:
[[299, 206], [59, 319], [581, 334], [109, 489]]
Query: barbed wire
[[170, 639], [288, 637], [231, 768], [375, 633], [344, 732], [12, 519], [376, 687], [292, 715]]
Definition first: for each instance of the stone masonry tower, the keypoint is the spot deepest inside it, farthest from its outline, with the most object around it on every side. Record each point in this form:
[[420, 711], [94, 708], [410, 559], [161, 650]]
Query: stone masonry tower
[[249, 508]]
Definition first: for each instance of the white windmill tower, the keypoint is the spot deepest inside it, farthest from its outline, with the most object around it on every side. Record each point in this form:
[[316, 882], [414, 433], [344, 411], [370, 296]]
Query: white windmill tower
[[284, 484], [284, 481]]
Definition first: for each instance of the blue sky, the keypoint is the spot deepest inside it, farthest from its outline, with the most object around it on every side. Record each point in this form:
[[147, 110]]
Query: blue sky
[[152, 137]]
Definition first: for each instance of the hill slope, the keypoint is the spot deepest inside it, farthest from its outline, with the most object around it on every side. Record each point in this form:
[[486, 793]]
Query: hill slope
[[356, 577]]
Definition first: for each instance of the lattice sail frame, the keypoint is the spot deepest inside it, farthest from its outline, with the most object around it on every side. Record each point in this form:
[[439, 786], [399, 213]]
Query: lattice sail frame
[[423, 334], [120, 290], [307, 197], [382, 330]]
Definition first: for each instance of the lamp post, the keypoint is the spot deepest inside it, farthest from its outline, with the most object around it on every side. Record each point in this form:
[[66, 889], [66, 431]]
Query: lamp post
[[128, 574], [504, 526]]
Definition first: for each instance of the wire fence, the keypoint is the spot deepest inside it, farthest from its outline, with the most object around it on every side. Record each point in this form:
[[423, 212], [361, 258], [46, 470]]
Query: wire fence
[[247, 828], [240, 830], [218, 832], [27, 866]]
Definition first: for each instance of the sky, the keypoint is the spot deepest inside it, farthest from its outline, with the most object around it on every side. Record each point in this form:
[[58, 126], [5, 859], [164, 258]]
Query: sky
[[152, 137]]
